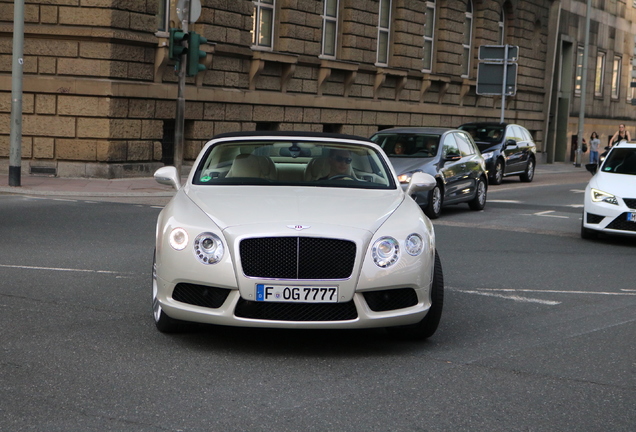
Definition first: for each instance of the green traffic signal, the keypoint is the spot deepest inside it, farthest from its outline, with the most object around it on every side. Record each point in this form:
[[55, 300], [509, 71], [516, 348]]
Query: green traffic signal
[[175, 46], [194, 54]]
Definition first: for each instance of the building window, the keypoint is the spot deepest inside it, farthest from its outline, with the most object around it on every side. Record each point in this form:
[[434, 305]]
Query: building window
[[330, 28], [163, 17], [468, 37], [579, 71], [429, 36], [501, 25], [616, 77], [600, 74], [384, 23], [263, 24], [631, 90]]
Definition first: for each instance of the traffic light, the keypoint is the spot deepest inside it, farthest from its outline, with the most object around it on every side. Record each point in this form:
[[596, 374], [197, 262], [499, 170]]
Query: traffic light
[[175, 46], [194, 54]]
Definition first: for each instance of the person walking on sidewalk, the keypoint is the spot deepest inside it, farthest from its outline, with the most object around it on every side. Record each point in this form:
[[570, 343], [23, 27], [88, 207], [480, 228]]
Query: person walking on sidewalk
[[594, 144], [620, 135]]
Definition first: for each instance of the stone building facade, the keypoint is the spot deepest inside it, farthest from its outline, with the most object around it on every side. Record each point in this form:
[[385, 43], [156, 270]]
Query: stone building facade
[[100, 92]]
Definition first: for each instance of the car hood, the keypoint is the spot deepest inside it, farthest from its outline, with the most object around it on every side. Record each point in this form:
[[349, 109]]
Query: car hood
[[486, 147], [230, 206], [622, 185], [405, 165]]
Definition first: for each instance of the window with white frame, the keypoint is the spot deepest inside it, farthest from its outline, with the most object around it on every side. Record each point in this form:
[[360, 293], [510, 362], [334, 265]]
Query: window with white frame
[[616, 77], [384, 29], [263, 24], [163, 15], [600, 74], [429, 36], [467, 41], [501, 25], [579, 71], [330, 28]]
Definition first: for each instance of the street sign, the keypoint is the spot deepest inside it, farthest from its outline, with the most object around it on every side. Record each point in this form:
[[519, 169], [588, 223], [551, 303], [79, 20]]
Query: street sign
[[490, 78], [498, 52]]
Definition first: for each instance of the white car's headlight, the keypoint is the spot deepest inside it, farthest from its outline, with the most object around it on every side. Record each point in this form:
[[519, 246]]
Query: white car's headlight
[[414, 244], [178, 239], [208, 248], [600, 196], [385, 251], [487, 155]]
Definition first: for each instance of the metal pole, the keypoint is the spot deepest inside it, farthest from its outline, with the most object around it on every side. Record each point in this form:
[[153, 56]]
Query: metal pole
[[586, 48], [504, 83], [15, 152], [179, 141]]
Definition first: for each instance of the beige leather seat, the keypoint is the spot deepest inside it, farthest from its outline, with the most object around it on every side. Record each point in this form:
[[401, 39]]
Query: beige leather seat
[[317, 168], [253, 166]]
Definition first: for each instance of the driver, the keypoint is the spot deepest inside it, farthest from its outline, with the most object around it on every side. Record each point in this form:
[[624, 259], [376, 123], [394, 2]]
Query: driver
[[339, 163]]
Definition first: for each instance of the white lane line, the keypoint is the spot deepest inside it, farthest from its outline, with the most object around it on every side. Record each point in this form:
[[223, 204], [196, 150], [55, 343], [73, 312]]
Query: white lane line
[[577, 190], [61, 269], [504, 201], [562, 291], [547, 214], [576, 205], [509, 297]]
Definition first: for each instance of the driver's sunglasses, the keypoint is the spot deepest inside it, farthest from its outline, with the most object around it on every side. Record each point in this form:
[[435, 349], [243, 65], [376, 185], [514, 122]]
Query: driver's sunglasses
[[342, 159]]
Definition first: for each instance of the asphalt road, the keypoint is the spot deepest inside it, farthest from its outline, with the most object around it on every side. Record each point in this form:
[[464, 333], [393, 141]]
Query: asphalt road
[[537, 333]]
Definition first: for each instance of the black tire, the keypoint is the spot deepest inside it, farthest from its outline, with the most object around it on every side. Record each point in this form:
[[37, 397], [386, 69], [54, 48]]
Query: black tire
[[428, 325], [528, 174], [479, 202], [434, 205], [586, 233], [497, 177], [163, 322]]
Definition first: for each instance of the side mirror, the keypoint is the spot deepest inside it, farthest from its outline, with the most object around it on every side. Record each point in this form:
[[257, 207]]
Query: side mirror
[[510, 143], [453, 157], [420, 182], [592, 168], [168, 176]]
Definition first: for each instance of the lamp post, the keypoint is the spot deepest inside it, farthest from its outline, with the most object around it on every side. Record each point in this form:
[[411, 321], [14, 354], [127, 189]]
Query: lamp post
[[15, 151]]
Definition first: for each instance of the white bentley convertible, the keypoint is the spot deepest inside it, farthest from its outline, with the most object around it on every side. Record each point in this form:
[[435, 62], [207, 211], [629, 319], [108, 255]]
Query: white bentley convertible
[[295, 230]]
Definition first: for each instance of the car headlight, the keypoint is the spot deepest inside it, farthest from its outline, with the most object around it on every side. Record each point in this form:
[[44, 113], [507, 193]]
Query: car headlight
[[178, 239], [600, 196], [414, 244], [208, 248], [487, 155], [406, 177], [385, 251]]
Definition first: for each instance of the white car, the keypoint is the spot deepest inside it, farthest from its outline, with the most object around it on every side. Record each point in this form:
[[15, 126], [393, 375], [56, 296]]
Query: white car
[[610, 196], [296, 230]]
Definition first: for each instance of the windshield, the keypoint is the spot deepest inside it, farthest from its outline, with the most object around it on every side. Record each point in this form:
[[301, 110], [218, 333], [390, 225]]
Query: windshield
[[621, 161], [293, 163], [490, 134], [406, 145]]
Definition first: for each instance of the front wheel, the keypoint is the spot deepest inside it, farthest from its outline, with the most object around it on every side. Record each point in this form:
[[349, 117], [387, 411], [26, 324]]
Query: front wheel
[[163, 322], [497, 176], [479, 202], [427, 327], [434, 206], [528, 174]]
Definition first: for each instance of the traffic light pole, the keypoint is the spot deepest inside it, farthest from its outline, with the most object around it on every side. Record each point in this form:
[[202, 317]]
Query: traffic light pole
[[15, 152], [180, 120]]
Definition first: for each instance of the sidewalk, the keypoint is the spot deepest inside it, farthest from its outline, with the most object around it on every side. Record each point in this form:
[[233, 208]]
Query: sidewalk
[[143, 186]]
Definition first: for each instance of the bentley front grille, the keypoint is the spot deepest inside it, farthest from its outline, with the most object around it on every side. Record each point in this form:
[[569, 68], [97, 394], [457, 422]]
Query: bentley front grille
[[297, 258]]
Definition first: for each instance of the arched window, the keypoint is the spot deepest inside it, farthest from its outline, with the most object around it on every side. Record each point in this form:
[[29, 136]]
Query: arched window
[[467, 41], [429, 36]]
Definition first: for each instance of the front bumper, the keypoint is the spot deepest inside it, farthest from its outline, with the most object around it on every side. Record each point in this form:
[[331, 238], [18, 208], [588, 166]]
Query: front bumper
[[608, 218]]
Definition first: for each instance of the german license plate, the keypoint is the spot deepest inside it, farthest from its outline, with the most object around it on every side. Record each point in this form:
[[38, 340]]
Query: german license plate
[[631, 217], [296, 294]]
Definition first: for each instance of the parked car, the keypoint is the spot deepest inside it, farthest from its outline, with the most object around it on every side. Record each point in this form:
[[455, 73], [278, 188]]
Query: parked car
[[449, 155], [295, 230], [610, 196], [508, 149]]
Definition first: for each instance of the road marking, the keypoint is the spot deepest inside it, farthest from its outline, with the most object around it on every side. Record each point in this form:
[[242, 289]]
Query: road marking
[[577, 190], [576, 205], [504, 201], [562, 291], [60, 269], [545, 214], [509, 297]]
